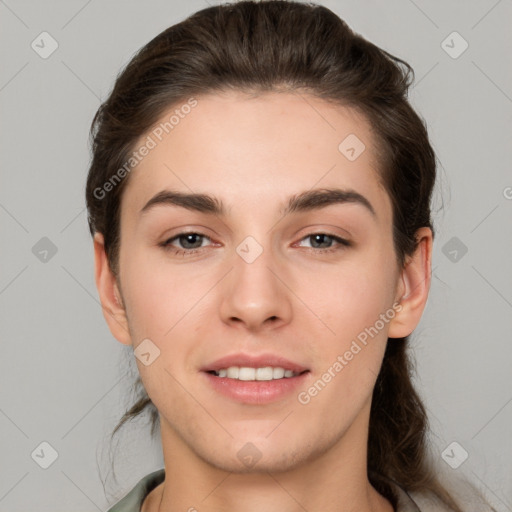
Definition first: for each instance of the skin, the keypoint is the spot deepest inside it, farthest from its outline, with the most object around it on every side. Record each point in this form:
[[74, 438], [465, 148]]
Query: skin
[[253, 154]]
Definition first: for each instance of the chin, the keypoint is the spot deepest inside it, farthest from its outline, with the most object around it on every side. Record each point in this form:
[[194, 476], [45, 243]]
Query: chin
[[269, 463], [262, 456]]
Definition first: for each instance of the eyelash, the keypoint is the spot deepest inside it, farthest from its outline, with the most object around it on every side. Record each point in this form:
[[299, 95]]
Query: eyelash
[[342, 243]]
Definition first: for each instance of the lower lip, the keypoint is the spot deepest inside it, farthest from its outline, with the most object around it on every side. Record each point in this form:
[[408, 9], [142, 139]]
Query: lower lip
[[256, 392]]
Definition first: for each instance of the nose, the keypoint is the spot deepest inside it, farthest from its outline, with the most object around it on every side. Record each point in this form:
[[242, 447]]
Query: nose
[[256, 295]]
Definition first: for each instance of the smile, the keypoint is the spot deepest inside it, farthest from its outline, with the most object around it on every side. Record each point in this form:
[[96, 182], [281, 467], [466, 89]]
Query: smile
[[255, 374]]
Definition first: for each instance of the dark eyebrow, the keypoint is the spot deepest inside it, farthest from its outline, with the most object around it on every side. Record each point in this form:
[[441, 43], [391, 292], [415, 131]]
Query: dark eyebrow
[[321, 198], [305, 201]]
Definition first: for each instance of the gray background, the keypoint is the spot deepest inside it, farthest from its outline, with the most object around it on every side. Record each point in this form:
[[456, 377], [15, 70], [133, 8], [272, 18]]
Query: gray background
[[63, 376]]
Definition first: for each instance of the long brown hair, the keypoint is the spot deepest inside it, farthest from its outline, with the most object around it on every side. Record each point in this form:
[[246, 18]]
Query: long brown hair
[[284, 45]]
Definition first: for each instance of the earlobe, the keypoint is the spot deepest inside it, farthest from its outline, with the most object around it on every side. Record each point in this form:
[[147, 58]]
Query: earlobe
[[110, 297], [414, 287]]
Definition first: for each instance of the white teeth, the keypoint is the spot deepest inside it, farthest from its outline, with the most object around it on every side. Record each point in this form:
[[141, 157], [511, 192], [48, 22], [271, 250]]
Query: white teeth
[[264, 373], [232, 372], [246, 374], [278, 373]]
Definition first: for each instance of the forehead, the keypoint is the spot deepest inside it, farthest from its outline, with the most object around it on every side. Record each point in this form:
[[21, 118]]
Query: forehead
[[259, 148]]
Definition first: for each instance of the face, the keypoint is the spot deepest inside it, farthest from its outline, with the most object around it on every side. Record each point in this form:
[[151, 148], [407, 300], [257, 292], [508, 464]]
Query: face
[[264, 276]]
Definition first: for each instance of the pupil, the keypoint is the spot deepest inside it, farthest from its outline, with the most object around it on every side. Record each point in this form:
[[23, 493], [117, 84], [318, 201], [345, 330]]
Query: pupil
[[188, 239], [316, 237]]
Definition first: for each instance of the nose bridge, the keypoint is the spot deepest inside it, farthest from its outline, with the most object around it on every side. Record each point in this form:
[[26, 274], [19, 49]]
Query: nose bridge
[[255, 293]]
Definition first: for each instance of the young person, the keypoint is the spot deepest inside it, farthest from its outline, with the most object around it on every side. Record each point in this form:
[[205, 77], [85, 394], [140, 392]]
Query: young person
[[259, 197]]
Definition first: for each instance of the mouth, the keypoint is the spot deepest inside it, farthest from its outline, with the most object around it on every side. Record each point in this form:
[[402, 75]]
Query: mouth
[[263, 373], [255, 379]]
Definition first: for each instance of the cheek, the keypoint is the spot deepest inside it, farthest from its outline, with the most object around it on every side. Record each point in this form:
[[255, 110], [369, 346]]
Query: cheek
[[353, 337], [156, 299], [349, 353], [160, 307], [350, 297]]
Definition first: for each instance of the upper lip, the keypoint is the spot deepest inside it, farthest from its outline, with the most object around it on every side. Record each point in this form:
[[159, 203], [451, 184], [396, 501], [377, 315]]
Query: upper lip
[[253, 361]]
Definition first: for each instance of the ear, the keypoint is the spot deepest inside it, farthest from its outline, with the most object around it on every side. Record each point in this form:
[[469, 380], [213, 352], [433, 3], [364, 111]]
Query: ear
[[110, 296], [412, 291]]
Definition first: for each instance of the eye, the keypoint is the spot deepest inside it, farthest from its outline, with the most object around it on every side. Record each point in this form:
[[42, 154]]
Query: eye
[[191, 242], [326, 238]]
